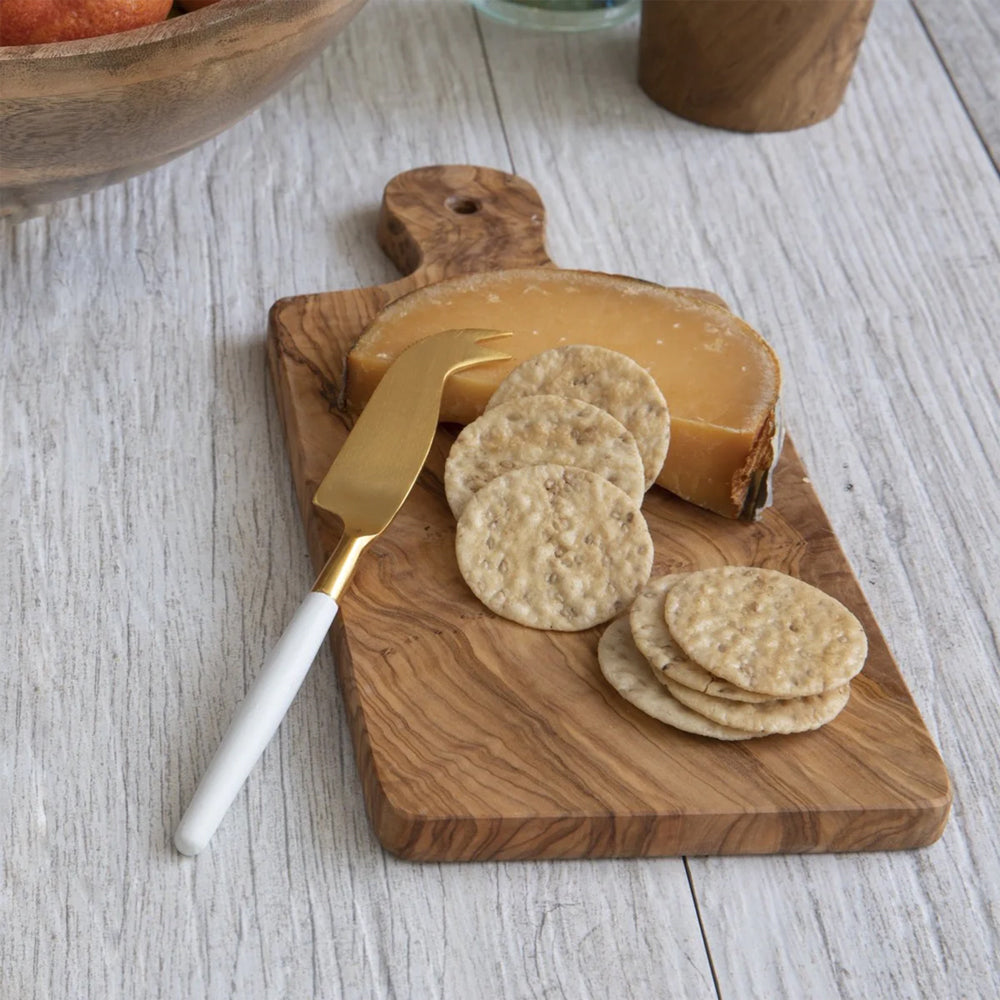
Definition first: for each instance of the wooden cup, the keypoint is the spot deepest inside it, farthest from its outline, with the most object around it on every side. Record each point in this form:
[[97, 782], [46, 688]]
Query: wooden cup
[[750, 65]]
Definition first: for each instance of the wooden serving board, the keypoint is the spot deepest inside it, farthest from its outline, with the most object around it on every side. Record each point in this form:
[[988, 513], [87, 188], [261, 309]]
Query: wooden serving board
[[477, 738]]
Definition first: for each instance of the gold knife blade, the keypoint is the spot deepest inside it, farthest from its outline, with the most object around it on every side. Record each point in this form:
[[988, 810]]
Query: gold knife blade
[[379, 462]]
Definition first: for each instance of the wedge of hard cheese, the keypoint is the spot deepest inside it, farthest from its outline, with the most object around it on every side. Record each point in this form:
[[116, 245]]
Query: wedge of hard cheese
[[720, 378]]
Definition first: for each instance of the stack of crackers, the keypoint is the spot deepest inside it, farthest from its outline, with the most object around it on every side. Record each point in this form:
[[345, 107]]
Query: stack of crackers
[[547, 486], [734, 652]]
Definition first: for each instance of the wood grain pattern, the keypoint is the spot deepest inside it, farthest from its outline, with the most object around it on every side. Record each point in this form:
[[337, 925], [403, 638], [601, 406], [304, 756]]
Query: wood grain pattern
[[750, 65], [823, 243], [78, 115], [151, 553], [151, 549], [477, 738], [966, 34]]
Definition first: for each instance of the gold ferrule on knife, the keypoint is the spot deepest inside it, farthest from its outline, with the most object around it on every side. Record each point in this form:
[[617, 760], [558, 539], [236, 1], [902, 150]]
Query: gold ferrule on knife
[[336, 573]]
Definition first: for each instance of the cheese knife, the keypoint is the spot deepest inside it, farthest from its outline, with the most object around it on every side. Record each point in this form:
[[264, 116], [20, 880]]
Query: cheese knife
[[365, 487]]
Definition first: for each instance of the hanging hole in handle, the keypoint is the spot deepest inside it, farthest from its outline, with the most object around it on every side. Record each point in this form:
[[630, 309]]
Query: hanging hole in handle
[[462, 206]]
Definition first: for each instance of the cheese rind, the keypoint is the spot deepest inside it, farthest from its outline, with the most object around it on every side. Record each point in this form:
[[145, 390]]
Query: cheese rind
[[720, 378]]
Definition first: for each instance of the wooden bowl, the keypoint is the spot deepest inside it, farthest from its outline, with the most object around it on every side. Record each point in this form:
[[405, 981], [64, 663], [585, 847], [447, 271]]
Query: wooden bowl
[[75, 116]]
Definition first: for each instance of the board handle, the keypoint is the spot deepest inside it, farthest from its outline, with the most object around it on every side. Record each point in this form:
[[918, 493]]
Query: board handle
[[440, 221]]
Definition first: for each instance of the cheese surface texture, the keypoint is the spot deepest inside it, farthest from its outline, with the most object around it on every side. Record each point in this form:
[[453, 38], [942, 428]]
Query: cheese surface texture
[[720, 378]]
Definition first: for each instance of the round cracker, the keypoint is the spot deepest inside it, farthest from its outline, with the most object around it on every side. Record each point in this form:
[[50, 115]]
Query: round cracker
[[765, 631], [666, 658], [784, 715], [627, 671], [553, 547], [542, 430], [608, 379]]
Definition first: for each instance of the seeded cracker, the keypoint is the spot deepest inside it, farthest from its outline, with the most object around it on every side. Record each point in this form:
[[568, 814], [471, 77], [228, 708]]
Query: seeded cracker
[[666, 658], [553, 547], [606, 378], [627, 671], [782, 715], [536, 430], [764, 631]]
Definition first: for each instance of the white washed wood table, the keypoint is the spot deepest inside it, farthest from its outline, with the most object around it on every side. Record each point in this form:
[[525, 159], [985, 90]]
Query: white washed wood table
[[151, 552]]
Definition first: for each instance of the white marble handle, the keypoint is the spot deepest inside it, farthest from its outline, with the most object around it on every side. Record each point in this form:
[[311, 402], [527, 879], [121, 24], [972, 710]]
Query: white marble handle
[[256, 721]]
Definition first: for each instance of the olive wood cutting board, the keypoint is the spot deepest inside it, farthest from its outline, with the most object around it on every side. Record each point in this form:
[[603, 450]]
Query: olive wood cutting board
[[477, 738]]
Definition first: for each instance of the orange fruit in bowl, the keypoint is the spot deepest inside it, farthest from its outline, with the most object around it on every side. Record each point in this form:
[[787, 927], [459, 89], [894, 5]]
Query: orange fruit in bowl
[[31, 22]]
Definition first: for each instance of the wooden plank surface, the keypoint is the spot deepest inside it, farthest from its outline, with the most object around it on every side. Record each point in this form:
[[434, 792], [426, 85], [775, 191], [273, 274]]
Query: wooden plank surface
[[875, 291], [151, 551], [966, 36]]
